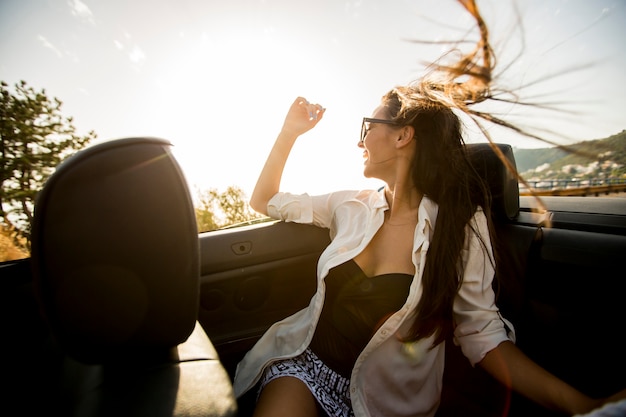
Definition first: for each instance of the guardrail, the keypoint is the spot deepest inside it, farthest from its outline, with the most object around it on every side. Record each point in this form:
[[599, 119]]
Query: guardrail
[[594, 187]]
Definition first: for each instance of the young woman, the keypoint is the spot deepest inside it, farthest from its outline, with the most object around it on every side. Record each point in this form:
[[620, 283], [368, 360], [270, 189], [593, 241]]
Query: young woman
[[407, 267]]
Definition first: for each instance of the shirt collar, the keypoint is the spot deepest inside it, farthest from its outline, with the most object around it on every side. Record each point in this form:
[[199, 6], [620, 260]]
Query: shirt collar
[[427, 213], [427, 210], [380, 202]]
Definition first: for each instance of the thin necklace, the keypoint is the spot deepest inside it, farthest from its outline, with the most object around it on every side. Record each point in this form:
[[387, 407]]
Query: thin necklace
[[389, 223], [400, 224]]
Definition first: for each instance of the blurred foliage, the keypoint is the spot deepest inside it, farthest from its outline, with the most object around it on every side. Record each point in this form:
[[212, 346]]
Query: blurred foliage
[[9, 251], [216, 210], [34, 139]]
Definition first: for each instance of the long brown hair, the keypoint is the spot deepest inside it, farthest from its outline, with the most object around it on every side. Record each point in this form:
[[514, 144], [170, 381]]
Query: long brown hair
[[441, 171]]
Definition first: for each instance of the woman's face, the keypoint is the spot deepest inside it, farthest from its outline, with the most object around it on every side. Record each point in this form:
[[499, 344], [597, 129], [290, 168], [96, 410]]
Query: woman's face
[[378, 144]]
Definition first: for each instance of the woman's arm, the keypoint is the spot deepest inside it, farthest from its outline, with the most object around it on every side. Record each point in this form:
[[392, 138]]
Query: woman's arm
[[302, 117], [511, 367]]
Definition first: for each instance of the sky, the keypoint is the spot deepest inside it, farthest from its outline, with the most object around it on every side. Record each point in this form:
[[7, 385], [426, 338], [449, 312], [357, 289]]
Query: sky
[[216, 77]]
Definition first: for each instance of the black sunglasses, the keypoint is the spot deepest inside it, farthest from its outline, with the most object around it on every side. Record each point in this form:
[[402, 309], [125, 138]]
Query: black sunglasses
[[365, 126]]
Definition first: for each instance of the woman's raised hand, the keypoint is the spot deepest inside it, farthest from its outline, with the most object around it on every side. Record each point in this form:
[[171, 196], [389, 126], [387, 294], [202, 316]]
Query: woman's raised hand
[[302, 117]]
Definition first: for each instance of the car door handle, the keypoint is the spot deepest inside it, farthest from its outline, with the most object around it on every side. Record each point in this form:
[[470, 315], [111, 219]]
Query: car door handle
[[241, 248]]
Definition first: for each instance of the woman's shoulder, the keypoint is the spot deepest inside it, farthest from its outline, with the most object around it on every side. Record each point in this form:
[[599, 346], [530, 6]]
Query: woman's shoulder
[[345, 198], [370, 194], [364, 195], [374, 198]]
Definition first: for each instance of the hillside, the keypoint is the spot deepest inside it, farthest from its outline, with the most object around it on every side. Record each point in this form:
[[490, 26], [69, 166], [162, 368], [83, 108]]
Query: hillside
[[583, 154]]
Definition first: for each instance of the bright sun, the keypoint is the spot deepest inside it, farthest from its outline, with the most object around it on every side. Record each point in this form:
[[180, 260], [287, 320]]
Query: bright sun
[[222, 102]]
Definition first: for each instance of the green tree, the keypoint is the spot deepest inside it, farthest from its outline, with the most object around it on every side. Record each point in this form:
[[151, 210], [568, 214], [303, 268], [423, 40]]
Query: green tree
[[215, 210], [205, 215], [34, 138]]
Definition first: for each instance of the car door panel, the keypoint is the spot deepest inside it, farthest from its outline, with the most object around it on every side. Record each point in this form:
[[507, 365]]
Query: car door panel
[[252, 277]]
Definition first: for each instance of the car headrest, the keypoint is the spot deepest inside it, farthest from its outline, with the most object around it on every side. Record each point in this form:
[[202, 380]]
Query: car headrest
[[502, 183], [115, 251]]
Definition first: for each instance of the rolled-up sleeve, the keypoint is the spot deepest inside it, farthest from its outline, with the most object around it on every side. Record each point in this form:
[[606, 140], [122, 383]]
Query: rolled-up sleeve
[[303, 208], [291, 208], [479, 324]]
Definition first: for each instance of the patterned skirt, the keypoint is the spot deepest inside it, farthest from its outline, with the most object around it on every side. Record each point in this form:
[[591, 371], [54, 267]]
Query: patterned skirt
[[331, 390]]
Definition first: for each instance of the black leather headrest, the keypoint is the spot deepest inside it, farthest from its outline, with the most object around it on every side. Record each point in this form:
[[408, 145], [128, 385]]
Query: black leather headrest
[[115, 251], [502, 183]]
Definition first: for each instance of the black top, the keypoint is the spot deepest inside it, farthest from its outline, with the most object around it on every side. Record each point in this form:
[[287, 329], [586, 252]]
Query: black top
[[355, 306]]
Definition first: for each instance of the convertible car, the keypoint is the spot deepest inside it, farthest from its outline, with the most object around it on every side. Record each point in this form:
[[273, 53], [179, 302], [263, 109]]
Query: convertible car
[[124, 310]]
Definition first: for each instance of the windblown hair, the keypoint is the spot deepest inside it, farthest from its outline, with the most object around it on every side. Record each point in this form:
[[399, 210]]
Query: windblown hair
[[442, 171]]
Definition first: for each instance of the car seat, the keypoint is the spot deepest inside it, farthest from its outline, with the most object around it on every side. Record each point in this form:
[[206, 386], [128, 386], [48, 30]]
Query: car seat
[[115, 258], [470, 391]]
